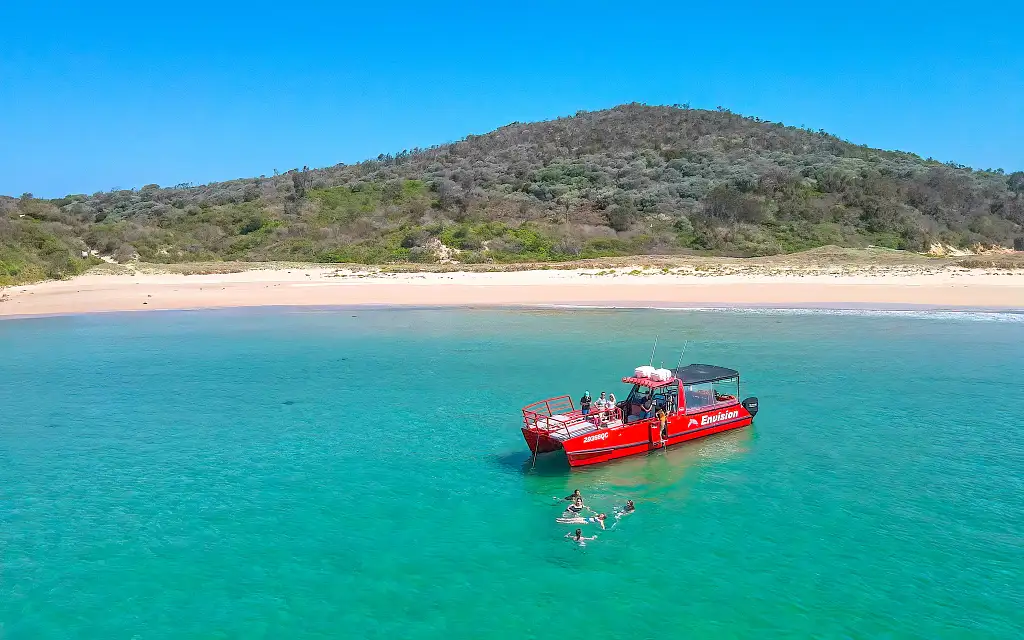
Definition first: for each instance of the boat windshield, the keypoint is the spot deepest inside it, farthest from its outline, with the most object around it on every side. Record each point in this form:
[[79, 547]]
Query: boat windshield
[[665, 397], [706, 394]]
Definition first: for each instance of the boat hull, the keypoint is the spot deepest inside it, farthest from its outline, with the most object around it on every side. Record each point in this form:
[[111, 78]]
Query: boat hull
[[603, 445], [540, 441]]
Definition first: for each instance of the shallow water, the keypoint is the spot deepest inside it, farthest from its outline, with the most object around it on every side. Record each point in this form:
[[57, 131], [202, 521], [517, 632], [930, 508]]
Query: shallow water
[[340, 473]]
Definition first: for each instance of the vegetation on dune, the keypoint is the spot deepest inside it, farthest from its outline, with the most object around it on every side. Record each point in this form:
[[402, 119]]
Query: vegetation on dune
[[626, 181]]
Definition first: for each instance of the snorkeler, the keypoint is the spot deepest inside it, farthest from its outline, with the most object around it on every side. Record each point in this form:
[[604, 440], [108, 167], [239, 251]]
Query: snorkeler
[[598, 519], [579, 538]]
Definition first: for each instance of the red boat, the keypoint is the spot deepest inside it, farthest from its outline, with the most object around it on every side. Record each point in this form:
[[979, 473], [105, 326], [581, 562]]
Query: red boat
[[663, 408]]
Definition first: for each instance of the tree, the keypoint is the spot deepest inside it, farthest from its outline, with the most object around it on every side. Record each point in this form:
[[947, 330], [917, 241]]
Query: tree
[[567, 200], [300, 182], [727, 204], [1015, 182], [449, 194]]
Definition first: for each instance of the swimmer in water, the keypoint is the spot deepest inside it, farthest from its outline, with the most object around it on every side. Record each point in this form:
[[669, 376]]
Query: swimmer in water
[[573, 496], [598, 519], [579, 538], [575, 510], [625, 510]]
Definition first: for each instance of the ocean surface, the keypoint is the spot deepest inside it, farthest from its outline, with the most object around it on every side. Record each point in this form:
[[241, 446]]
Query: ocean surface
[[361, 474]]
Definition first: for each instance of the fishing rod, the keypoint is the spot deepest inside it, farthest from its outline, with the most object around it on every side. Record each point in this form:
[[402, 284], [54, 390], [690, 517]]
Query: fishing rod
[[651, 363], [680, 360]]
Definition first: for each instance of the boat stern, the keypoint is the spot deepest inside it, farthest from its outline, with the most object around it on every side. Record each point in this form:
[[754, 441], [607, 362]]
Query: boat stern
[[540, 441]]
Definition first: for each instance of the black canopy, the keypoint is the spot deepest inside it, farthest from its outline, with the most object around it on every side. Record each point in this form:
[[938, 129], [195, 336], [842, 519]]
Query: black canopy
[[696, 373]]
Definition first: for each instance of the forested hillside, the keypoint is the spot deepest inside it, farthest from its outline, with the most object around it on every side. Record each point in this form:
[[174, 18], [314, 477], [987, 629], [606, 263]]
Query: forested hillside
[[629, 180]]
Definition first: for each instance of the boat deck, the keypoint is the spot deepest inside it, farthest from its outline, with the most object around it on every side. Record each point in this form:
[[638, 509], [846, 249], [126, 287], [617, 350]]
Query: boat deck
[[567, 432]]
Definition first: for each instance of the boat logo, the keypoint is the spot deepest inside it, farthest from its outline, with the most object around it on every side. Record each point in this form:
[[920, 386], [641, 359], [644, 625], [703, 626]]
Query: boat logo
[[718, 417], [596, 437], [691, 423]]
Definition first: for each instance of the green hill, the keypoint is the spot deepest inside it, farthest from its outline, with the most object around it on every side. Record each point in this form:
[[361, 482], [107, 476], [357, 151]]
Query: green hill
[[630, 180]]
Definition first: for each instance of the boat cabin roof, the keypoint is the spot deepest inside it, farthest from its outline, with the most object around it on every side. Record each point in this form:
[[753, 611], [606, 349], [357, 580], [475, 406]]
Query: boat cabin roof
[[697, 373], [647, 382]]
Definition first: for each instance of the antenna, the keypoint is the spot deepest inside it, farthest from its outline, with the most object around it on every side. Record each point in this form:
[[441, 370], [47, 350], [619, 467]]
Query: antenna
[[651, 363], [680, 360]]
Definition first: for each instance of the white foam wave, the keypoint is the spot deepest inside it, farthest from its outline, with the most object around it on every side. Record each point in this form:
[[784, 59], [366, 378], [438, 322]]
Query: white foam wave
[[926, 314]]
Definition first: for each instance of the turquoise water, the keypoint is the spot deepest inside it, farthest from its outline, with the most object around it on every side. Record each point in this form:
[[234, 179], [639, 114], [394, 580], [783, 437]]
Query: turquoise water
[[336, 474]]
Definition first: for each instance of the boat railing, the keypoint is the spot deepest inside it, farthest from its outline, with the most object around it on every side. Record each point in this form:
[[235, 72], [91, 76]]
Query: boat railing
[[555, 414], [608, 415]]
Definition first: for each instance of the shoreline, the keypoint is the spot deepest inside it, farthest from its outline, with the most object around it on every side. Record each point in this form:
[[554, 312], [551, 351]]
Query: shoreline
[[1010, 314], [873, 288]]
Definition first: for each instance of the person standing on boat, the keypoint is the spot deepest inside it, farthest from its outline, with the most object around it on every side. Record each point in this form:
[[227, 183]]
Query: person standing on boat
[[601, 407], [585, 403], [647, 406]]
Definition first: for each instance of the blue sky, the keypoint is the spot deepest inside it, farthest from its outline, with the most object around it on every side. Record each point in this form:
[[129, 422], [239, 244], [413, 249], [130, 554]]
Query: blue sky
[[101, 95]]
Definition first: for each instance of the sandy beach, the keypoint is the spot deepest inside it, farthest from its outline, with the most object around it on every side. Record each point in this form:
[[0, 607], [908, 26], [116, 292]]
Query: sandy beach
[[887, 287]]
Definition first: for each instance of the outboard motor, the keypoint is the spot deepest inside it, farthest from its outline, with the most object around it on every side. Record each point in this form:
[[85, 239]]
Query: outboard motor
[[750, 404]]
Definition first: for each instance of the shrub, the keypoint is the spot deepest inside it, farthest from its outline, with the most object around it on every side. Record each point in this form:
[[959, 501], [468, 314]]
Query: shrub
[[713, 181], [422, 254], [620, 217], [125, 253]]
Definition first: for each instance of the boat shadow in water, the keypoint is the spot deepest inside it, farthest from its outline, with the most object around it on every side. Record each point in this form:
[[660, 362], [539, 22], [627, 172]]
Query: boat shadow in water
[[548, 464], [666, 469]]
